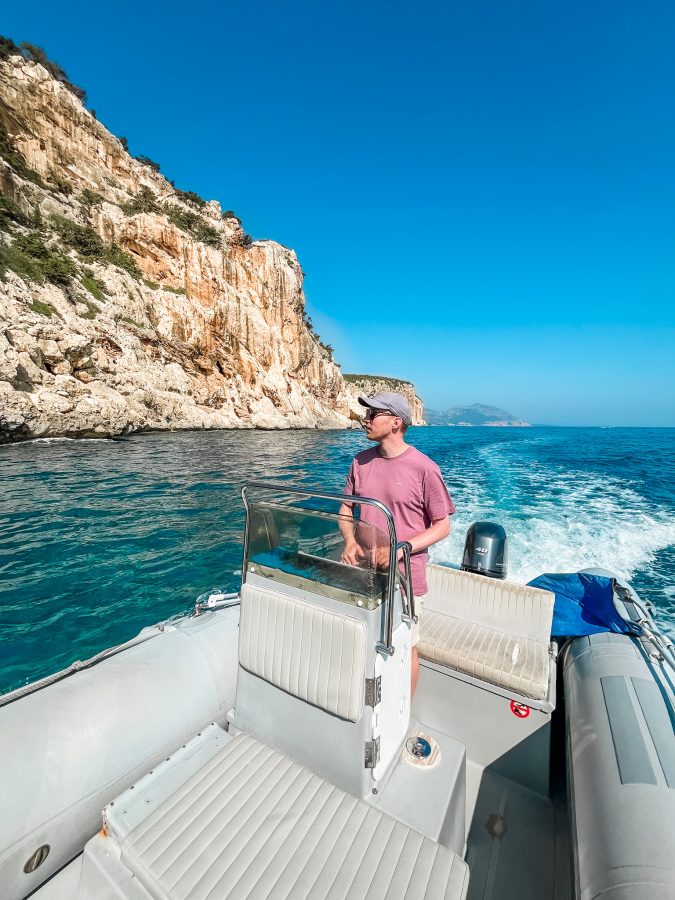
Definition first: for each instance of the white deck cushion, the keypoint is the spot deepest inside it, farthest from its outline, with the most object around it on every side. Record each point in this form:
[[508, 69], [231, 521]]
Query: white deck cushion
[[253, 824], [494, 630], [316, 655]]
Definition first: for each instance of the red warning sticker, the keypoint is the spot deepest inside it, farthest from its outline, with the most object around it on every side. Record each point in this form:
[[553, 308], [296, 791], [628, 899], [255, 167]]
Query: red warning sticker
[[520, 710]]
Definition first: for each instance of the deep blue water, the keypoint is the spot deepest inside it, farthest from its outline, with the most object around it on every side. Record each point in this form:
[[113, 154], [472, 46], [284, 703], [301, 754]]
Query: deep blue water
[[99, 538]]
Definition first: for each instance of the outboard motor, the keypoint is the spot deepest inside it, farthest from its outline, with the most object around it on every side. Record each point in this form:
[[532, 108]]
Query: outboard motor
[[485, 550]]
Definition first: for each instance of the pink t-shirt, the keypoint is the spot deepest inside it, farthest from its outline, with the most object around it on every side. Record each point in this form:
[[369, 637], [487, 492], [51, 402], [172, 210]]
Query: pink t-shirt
[[412, 487]]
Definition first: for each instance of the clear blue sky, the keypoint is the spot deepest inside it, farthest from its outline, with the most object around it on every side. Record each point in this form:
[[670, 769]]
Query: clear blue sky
[[482, 194]]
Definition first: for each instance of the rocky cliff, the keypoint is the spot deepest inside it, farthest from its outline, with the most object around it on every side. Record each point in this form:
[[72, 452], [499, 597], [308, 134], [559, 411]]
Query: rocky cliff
[[368, 385], [128, 304]]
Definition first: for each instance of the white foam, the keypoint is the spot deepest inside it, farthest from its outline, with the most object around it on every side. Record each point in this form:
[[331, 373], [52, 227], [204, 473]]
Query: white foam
[[45, 440], [561, 521]]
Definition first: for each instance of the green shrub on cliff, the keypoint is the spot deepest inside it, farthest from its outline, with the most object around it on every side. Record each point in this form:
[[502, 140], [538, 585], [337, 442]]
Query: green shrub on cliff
[[395, 384], [55, 265], [191, 197], [38, 55], [150, 163], [129, 321], [12, 214], [142, 202], [240, 239], [115, 255], [81, 238], [30, 258], [145, 202], [20, 263], [44, 309], [90, 198], [89, 245], [94, 286], [193, 224], [92, 309], [162, 287], [7, 48], [58, 268], [32, 245]]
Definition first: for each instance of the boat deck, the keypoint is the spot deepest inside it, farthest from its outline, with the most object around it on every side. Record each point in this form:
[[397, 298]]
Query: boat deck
[[230, 817]]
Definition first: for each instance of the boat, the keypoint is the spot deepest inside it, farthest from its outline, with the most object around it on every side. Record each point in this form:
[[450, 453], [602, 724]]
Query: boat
[[267, 745]]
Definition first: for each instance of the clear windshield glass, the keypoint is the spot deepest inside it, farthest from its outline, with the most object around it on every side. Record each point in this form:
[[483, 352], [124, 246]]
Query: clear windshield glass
[[302, 547]]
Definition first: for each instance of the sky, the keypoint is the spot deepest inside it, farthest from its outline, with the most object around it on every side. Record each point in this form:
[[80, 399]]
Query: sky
[[481, 195]]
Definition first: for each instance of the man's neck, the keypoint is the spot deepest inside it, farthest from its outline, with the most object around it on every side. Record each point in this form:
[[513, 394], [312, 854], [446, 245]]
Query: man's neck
[[393, 445]]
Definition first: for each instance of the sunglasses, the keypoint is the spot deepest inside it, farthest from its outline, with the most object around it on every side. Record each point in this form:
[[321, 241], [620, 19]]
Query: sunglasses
[[371, 414]]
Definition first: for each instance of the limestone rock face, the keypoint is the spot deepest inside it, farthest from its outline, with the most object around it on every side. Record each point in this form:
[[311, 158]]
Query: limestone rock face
[[368, 385], [139, 306]]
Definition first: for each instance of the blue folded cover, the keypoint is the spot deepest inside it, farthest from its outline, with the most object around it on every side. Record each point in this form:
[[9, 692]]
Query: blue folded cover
[[584, 604]]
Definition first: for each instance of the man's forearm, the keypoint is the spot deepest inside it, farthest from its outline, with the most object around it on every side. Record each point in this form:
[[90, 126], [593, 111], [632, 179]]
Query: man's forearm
[[431, 535], [346, 523]]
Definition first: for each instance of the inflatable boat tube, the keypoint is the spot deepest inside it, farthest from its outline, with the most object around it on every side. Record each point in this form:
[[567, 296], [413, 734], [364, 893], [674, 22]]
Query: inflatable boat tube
[[621, 770], [69, 748]]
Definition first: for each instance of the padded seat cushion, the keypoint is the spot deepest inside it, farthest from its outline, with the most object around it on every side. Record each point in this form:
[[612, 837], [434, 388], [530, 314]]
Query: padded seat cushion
[[496, 631], [503, 659], [312, 653], [251, 823]]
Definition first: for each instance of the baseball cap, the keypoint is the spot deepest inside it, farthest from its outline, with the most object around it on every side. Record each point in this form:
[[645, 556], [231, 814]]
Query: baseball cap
[[395, 403]]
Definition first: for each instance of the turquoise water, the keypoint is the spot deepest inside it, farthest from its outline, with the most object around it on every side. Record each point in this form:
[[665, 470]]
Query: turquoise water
[[99, 538]]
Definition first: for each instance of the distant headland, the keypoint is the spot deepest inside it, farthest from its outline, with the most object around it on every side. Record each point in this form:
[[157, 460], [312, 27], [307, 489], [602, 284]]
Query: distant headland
[[475, 415]]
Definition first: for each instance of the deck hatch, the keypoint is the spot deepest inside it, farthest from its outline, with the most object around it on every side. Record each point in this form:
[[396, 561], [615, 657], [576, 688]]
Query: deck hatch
[[632, 756]]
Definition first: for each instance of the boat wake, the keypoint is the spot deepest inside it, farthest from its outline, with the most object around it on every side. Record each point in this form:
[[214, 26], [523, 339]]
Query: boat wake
[[559, 521]]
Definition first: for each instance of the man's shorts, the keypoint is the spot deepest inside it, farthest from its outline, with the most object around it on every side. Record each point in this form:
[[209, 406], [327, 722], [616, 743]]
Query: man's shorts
[[419, 603]]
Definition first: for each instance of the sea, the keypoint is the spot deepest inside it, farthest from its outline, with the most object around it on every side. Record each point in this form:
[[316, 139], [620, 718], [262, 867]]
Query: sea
[[101, 538]]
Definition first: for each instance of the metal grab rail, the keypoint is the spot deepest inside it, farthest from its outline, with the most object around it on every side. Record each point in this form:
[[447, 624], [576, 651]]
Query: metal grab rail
[[409, 613], [650, 631], [382, 647]]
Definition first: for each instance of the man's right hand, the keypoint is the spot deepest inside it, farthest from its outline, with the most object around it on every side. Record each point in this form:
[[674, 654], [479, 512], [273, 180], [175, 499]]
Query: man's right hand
[[352, 553]]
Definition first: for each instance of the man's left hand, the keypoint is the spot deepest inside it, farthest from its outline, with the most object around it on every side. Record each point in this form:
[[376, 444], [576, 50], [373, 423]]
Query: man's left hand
[[382, 557]]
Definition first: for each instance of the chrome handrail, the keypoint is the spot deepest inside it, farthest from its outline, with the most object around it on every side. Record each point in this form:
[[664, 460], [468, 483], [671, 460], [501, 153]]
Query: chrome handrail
[[650, 630], [216, 601], [385, 646], [410, 613]]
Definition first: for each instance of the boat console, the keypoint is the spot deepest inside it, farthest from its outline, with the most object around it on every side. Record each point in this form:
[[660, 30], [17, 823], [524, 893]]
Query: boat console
[[315, 648], [307, 789]]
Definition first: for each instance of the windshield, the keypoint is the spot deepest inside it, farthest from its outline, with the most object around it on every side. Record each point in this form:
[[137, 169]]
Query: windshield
[[302, 547]]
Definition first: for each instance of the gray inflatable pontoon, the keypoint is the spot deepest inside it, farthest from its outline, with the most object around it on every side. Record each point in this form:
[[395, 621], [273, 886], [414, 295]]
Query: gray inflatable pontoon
[[267, 746]]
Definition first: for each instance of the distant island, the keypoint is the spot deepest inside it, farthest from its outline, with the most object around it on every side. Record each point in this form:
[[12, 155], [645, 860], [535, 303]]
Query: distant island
[[476, 414]]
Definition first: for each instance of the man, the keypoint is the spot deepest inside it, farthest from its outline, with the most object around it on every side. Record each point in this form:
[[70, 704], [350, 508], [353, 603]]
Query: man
[[408, 483]]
